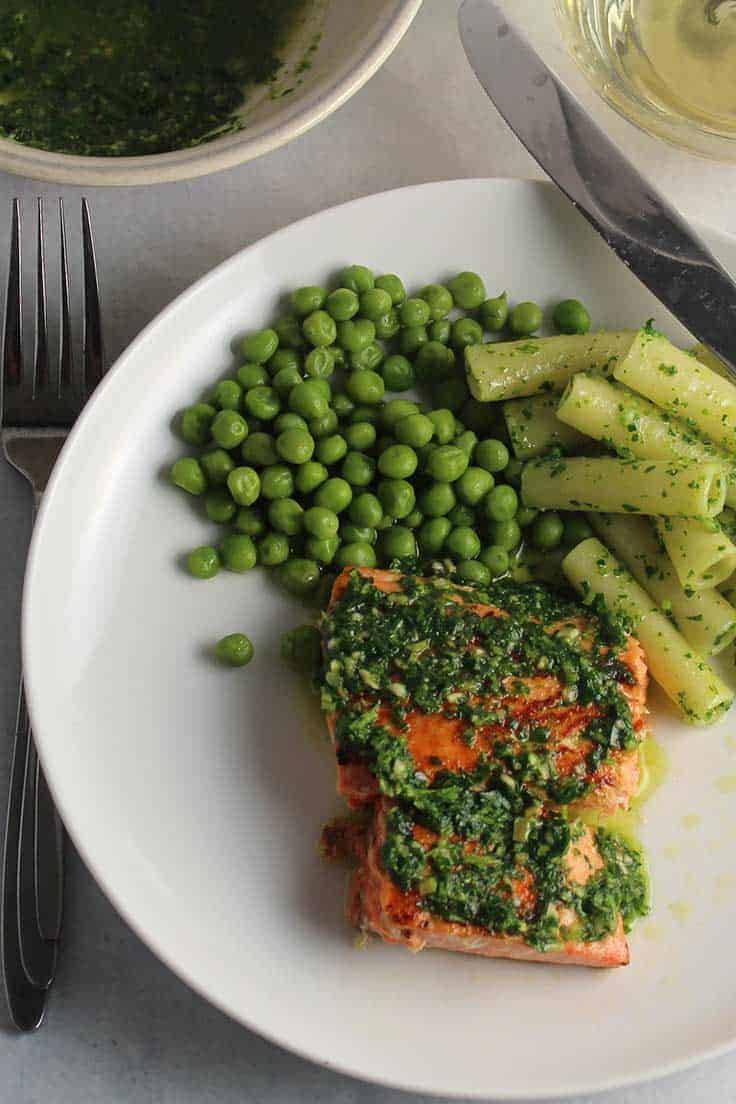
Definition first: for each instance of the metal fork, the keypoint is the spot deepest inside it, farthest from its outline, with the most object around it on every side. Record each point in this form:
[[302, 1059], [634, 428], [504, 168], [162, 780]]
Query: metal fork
[[37, 408]]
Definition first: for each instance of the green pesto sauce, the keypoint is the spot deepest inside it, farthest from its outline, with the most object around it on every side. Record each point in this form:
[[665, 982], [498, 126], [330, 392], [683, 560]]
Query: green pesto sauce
[[420, 649], [117, 78]]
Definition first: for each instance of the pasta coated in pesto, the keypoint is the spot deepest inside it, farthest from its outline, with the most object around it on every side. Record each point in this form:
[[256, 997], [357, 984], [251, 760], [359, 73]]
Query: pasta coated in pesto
[[695, 688], [633, 426], [534, 428], [618, 486], [702, 553], [704, 617], [514, 369]]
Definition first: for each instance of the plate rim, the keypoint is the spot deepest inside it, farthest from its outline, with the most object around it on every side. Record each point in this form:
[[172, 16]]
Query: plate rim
[[31, 681]]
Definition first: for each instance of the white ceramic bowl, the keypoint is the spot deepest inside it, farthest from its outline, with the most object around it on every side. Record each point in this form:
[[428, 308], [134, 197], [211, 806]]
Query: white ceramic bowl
[[356, 40]]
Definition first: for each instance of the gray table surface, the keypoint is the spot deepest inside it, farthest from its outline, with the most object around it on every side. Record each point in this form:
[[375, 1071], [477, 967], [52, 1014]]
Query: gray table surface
[[120, 1026]]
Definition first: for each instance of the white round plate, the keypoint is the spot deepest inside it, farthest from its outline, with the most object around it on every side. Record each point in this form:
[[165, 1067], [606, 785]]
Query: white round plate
[[196, 794]]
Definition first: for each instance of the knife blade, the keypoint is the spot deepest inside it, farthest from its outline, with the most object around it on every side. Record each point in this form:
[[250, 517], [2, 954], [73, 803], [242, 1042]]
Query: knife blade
[[629, 213]]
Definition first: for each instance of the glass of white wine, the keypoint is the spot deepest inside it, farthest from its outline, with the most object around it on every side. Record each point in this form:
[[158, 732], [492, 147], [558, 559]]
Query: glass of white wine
[[667, 65]]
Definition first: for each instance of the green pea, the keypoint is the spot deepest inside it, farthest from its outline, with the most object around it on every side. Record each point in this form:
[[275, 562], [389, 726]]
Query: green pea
[[260, 347], [462, 543], [273, 549], [398, 373], [263, 403], [452, 394], [249, 520], [277, 482], [446, 463], [415, 430], [525, 319], [494, 313], [441, 331], [342, 304], [369, 414], [302, 647], [229, 428], [289, 420], [398, 462], [357, 534], [439, 299], [355, 334], [411, 339], [325, 425], [331, 449], [525, 515], [319, 328], [444, 425], [461, 515], [254, 375], [234, 650], [219, 505], [473, 572], [358, 469], [434, 362], [415, 312], [356, 554], [466, 331], [358, 278], [238, 552], [229, 394], [368, 359], [432, 535], [286, 515], [437, 500], [296, 446], [309, 476], [322, 550], [576, 529], [299, 576], [320, 363], [395, 410], [394, 286], [365, 387], [321, 387], [473, 485], [501, 503], [305, 300], [398, 543], [343, 406], [196, 422], [571, 317], [374, 303], [366, 510], [260, 449], [387, 326], [203, 562], [187, 473], [505, 534], [285, 358], [217, 465], [244, 485], [491, 455], [466, 441], [360, 436], [512, 472], [289, 332], [547, 530], [397, 497], [284, 380], [468, 290], [496, 559], [385, 523], [308, 399], [336, 495]]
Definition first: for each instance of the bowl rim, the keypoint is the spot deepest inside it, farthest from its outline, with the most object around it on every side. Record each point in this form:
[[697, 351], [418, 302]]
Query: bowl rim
[[230, 150]]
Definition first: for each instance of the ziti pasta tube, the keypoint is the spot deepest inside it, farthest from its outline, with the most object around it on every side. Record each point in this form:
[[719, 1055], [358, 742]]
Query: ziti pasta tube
[[534, 428], [702, 553]]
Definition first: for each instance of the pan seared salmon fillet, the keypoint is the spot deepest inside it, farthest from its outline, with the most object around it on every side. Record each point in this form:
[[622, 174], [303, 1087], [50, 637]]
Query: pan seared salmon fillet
[[377, 904], [512, 718]]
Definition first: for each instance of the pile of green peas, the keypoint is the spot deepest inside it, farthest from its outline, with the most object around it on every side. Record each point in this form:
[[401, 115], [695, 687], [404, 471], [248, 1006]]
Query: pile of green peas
[[311, 467]]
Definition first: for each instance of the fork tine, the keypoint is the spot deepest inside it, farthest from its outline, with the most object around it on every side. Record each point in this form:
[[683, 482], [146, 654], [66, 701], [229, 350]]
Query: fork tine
[[41, 350], [66, 361], [13, 337], [94, 357]]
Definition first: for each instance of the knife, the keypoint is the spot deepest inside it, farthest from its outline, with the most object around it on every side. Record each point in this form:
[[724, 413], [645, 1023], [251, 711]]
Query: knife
[[631, 216]]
